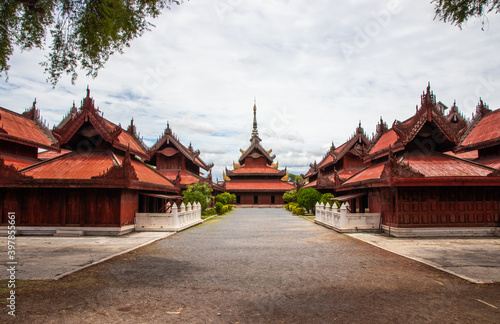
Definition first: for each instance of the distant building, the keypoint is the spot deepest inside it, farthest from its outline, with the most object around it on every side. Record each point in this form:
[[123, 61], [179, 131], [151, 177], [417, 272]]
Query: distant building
[[340, 163], [255, 180], [181, 165]]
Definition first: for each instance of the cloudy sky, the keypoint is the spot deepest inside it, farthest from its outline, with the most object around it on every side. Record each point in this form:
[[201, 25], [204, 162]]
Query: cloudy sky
[[316, 68]]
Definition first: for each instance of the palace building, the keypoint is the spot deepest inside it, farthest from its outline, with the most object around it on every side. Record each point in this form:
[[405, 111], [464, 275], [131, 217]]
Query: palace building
[[339, 164], [94, 185], [181, 165], [255, 179], [434, 174]]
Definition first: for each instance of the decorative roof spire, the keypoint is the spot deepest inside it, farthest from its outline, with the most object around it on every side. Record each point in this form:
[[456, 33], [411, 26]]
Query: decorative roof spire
[[255, 132], [428, 98], [360, 129], [482, 109]]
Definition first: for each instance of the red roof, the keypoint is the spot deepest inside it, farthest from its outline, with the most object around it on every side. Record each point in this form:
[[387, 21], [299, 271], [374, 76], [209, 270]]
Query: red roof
[[345, 174], [52, 154], [465, 155], [73, 166], [169, 138], [328, 159], [18, 162], [255, 169], [22, 128], [385, 140], [186, 177], [147, 174], [492, 162], [125, 139], [435, 165], [241, 185], [169, 151], [311, 184], [442, 165], [372, 172], [487, 129]]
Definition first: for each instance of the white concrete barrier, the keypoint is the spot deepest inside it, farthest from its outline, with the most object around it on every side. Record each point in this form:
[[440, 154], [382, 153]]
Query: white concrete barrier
[[176, 220], [342, 221]]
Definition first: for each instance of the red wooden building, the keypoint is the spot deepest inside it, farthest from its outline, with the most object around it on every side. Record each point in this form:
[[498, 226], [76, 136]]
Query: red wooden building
[[421, 190], [339, 163], [255, 180], [96, 187], [21, 137], [483, 137], [181, 165]]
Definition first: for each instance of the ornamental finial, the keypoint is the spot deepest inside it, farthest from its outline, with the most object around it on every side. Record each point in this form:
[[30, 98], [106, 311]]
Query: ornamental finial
[[255, 132]]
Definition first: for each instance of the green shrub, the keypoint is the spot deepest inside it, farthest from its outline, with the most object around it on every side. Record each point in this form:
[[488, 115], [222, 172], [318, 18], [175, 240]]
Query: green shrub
[[290, 196], [298, 211], [199, 193], [209, 212], [290, 206], [325, 199], [218, 207], [308, 197], [226, 198]]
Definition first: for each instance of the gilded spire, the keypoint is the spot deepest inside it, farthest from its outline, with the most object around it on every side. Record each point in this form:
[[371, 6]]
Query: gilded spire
[[255, 132]]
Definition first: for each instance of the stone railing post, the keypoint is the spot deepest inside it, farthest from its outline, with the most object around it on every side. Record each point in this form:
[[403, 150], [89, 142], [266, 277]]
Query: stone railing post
[[318, 214], [175, 215], [198, 212], [343, 209]]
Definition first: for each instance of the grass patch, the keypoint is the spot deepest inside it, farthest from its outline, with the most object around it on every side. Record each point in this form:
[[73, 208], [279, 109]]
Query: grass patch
[[34, 287]]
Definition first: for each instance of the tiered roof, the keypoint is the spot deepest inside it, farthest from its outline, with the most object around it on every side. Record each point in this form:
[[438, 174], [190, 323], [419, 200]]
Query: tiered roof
[[483, 131], [110, 132], [27, 133], [26, 129], [168, 137], [255, 170], [169, 145], [356, 145], [451, 127], [413, 151], [109, 163]]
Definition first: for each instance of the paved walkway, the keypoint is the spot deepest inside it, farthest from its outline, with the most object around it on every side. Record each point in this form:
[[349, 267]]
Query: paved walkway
[[41, 258], [50, 257], [474, 259], [257, 266]]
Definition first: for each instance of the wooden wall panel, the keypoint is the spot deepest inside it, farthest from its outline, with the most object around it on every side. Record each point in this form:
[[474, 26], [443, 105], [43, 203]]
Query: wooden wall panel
[[129, 205], [445, 206]]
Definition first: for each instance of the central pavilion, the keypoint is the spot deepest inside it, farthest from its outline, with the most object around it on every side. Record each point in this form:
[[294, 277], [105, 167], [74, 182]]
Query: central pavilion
[[255, 179]]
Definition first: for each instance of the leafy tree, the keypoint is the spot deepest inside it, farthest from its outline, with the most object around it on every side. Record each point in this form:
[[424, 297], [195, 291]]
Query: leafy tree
[[290, 196], [199, 193], [226, 198], [457, 12], [85, 33], [325, 199], [294, 178], [308, 197]]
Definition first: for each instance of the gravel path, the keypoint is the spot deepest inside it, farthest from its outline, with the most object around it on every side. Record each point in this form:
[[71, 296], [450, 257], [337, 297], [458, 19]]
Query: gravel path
[[258, 266]]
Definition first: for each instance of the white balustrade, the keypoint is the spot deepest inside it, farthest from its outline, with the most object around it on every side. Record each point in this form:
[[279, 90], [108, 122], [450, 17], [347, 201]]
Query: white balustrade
[[175, 219], [341, 220]]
